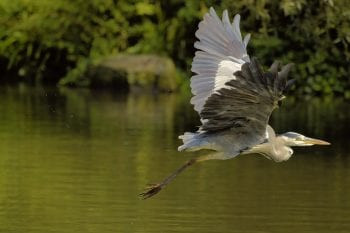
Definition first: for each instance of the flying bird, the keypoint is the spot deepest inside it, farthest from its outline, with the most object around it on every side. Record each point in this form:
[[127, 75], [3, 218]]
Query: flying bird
[[234, 98]]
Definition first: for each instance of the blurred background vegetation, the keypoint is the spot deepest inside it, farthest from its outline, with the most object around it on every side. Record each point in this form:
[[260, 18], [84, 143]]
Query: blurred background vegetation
[[54, 42]]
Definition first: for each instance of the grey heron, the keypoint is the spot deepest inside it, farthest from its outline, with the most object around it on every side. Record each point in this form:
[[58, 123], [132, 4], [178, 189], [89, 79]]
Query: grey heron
[[234, 98]]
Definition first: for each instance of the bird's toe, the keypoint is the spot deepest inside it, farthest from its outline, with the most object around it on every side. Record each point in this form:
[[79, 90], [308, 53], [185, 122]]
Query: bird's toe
[[151, 190]]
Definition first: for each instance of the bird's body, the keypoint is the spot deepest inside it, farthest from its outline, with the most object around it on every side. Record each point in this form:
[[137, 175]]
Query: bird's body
[[234, 98], [228, 145]]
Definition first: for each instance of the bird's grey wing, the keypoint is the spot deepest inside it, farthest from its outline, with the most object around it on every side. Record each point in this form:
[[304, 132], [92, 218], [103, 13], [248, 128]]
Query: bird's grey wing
[[229, 90], [221, 52], [246, 101]]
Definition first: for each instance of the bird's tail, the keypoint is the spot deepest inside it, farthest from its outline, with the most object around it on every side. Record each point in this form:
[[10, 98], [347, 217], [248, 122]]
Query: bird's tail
[[190, 142]]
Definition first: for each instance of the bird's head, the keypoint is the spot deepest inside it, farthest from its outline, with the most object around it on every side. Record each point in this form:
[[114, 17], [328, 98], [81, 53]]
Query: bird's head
[[296, 139]]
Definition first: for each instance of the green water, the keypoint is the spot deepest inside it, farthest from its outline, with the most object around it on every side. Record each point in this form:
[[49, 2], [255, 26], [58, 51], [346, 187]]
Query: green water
[[75, 160]]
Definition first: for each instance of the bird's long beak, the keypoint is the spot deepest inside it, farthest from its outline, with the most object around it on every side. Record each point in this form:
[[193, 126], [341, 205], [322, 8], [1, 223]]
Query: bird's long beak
[[314, 141]]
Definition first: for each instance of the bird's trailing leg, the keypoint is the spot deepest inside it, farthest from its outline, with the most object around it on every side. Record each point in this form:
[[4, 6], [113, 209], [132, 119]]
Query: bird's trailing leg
[[153, 189]]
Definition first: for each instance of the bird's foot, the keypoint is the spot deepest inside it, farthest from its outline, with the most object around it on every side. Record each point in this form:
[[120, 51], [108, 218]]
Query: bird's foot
[[151, 190]]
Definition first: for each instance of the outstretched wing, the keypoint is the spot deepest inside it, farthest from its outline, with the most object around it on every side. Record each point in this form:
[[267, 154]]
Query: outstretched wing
[[221, 52], [230, 91]]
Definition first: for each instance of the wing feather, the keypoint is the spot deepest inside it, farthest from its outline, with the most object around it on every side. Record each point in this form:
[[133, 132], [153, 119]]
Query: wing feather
[[245, 102], [221, 52]]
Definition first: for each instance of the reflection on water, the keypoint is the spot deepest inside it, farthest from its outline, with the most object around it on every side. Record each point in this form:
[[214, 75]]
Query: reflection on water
[[75, 160]]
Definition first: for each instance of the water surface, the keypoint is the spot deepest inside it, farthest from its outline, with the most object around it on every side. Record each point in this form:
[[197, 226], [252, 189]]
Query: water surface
[[75, 160]]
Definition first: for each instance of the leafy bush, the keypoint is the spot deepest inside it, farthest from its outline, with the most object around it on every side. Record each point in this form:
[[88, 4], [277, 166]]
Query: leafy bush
[[52, 37], [49, 40]]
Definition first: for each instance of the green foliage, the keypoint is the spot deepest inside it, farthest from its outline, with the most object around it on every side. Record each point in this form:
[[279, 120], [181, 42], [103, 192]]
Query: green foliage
[[54, 39], [39, 36]]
